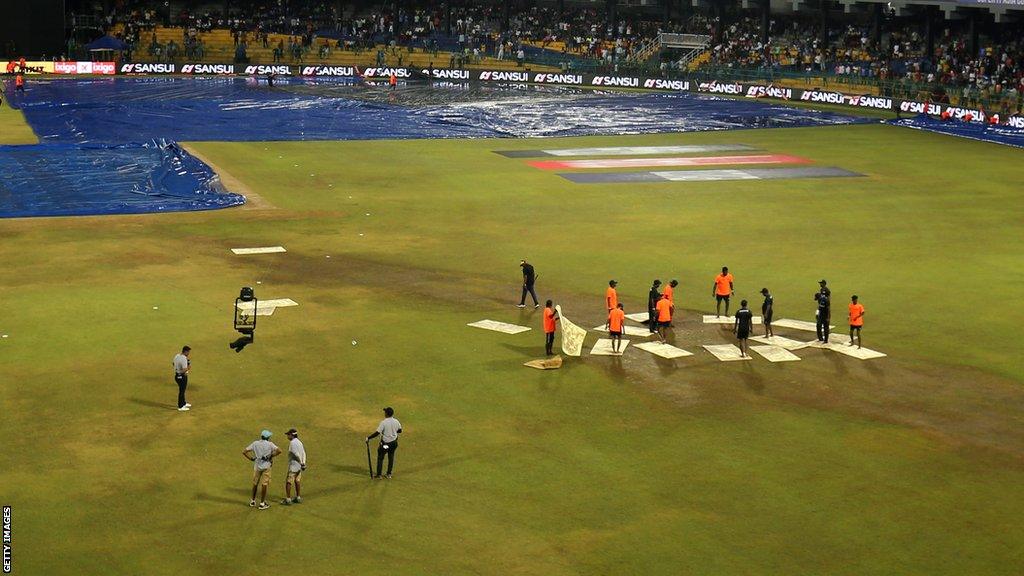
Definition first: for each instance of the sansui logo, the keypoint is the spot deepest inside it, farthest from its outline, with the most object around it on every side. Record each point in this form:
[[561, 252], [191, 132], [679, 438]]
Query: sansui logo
[[716, 88], [448, 74], [621, 81], [208, 69], [827, 97], [328, 71], [147, 68], [1016, 122], [558, 78], [659, 84], [386, 72], [871, 102], [769, 92], [279, 70], [505, 76], [959, 113], [920, 108]]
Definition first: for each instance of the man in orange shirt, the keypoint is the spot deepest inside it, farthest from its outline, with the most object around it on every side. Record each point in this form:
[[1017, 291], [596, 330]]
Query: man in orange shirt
[[611, 296], [670, 292], [856, 320], [616, 319], [664, 309], [19, 82], [550, 317], [722, 290]]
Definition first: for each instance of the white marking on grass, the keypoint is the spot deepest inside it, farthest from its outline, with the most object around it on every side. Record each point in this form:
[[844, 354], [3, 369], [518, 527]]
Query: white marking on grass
[[603, 347], [711, 319], [664, 350], [775, 353], [797, 324], [853, 351], [260, 250], [725, 352], [628, 331], [781, 342], [503, 327]]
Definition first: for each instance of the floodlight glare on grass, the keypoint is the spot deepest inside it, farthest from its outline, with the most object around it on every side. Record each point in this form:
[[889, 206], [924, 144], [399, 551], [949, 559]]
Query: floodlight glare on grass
[[245, 317]]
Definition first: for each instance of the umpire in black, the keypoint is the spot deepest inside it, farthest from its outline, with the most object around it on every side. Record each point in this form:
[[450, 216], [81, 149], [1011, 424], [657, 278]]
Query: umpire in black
[[824, 313], [652, 302]]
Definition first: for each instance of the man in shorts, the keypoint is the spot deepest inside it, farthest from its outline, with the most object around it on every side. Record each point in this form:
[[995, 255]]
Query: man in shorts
[[722, 290], [262, 453], [767, 309], [743, 326], [296, 466], [856, 320], [664, 310], [616, 320]]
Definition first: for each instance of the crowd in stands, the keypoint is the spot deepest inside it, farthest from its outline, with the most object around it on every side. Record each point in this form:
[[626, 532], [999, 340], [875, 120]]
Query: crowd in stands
[[850, 52]]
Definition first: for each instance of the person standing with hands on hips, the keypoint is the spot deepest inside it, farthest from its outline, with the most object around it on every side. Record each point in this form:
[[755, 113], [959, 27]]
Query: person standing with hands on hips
[[529, 277], [388, 430], [722, 290], [262, 453], [182, 366]]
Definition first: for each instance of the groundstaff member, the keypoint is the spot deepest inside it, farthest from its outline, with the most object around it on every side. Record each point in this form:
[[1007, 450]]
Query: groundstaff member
[[550, 318], [262, 453], [616, 320], [664, 310], [856, 320], [823, 315], [529, 277], [767, 310], [388, 430], [722, 290], [296, 466], [743, 326], [182, 366], [611, 296]]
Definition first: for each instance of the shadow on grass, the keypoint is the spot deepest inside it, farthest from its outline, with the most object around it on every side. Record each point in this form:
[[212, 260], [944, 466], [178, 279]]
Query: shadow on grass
[[353, 470], [152, 404], [535, 351]]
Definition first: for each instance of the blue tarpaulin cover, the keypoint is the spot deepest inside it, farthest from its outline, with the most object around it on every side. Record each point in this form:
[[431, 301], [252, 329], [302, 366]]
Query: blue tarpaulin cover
[[78, 180], [123, 110], [973, 130], [87, 162], [106, 43]]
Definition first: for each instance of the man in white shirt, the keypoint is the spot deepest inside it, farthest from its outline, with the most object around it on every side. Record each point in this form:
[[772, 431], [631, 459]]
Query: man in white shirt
[[262, 453], [182, 366], [296, 466], [388, 430]]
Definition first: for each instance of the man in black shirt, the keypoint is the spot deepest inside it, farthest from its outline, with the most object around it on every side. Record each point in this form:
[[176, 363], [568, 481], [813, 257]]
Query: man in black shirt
[[824, 313], [743, 325], [652, 302], [767, 308], [529, 277]]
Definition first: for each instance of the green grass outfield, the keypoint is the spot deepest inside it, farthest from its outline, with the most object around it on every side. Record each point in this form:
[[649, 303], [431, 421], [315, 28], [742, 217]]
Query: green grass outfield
[[906, 465]]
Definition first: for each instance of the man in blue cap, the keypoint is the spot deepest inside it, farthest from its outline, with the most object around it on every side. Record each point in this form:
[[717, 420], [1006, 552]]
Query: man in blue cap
[[262, 453]]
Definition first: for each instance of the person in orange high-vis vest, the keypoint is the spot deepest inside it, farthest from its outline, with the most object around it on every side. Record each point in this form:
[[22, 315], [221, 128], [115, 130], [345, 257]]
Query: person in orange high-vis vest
[[616, 320], [611, 296], [664, 310], [550, 317], [393, 80], [722, 290], [19, 82], [856, 320], [670, 292]]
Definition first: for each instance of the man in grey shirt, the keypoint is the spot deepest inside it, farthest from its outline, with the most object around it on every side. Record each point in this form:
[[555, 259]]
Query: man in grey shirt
[[388, 430], [296, 466], [182, 366], [262, 453]]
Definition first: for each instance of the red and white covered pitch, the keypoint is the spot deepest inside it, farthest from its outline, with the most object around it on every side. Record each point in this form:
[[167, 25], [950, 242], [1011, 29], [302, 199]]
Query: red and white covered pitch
[[674, 161]]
